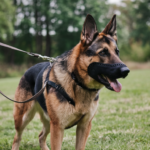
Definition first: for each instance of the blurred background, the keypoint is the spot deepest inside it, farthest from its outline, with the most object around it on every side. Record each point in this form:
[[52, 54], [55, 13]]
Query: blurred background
[[51, 27]]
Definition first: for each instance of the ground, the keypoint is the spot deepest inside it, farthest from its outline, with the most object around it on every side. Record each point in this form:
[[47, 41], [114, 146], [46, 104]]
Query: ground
[[122, 121]]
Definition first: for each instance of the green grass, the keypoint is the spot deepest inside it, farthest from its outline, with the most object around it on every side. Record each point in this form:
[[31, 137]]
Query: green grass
[[122, 121]]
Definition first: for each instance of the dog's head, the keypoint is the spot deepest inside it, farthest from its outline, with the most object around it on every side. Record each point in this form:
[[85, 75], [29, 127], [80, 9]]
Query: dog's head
[[98, 62]]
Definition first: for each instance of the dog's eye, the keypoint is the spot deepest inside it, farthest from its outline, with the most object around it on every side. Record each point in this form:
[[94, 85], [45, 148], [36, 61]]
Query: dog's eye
[[90, 52], [104, 52], [117, 52]]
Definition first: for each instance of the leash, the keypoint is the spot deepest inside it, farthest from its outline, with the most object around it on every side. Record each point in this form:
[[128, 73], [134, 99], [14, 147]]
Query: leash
[[51, 84], [51, 59], [47, 82], [32, 98]]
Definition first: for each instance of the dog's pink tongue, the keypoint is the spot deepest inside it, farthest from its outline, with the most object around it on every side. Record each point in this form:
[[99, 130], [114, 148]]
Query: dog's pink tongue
[[116, 85]]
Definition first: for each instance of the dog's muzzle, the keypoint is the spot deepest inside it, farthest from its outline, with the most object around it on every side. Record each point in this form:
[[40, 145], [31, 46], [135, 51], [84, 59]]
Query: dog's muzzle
[[108, 73], [112, 71]]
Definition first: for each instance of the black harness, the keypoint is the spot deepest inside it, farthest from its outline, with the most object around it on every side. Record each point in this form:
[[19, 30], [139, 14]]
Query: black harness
[[58, 88], [62, 91]]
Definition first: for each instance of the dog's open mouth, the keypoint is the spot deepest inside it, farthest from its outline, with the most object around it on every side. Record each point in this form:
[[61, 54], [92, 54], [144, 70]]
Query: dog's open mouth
[[111, 84]]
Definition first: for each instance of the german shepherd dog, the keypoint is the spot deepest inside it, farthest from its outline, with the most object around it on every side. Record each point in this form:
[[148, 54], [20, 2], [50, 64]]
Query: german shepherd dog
[[80, 73]]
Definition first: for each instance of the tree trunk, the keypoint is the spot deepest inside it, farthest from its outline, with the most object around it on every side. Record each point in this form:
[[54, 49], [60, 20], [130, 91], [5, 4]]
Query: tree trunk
[[11, 57], [38, 36], [48, 39], [48, 45]]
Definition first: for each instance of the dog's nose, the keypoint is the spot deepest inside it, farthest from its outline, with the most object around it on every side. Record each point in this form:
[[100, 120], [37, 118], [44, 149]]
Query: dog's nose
[[124, 71]]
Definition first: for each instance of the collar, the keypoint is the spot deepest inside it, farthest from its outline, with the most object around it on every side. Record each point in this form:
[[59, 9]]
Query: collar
[[80, 84]]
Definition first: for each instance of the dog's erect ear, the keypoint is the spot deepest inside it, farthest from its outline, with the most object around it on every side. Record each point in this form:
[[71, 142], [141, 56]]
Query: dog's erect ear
[[111, 28], [89, 30]]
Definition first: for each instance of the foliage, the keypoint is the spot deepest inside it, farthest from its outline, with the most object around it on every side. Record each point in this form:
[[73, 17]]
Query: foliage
[[63, 19], [12, 70], [122, 121], [68, 35], [6, 19], [50, 27], [133, 29], [141, 30]]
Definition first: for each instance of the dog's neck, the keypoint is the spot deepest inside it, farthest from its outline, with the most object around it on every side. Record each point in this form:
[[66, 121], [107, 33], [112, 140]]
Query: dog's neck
[[74, 77], [63, 77]]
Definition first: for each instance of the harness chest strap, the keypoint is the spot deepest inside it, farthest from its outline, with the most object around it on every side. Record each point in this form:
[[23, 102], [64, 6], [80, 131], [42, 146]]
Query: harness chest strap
[[58, 87], [61, 91]]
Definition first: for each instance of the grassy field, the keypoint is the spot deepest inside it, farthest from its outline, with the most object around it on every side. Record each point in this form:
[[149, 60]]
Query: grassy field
[[122, 121]]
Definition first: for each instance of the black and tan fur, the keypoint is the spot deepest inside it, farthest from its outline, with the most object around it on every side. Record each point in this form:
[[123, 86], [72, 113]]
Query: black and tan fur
[[55, 112]]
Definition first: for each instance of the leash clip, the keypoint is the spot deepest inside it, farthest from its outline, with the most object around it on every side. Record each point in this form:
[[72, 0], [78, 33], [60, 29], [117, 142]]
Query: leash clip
[[31, 54]]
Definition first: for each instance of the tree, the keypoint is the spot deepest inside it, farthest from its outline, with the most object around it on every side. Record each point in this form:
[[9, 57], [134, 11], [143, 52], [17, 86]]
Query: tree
[[50, 27], [141, 30], [7, 12], [134, 29], [72, 16], [7, 18], [40, 19]]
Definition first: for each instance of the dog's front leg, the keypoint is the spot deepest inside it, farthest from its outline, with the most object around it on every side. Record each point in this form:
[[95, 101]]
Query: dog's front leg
[[83, 130], [56, 136]]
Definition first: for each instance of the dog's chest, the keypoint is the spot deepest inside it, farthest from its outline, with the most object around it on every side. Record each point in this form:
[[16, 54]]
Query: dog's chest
[[85, 102], [87, 107], [73, 115]]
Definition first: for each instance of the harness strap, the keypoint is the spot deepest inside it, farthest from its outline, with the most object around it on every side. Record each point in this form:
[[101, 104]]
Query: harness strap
[[61, 91], [59, 88], [32, 98]]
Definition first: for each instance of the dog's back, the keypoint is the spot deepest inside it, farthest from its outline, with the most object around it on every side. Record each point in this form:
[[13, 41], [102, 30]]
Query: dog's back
[[34, 72], [34, 78]]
